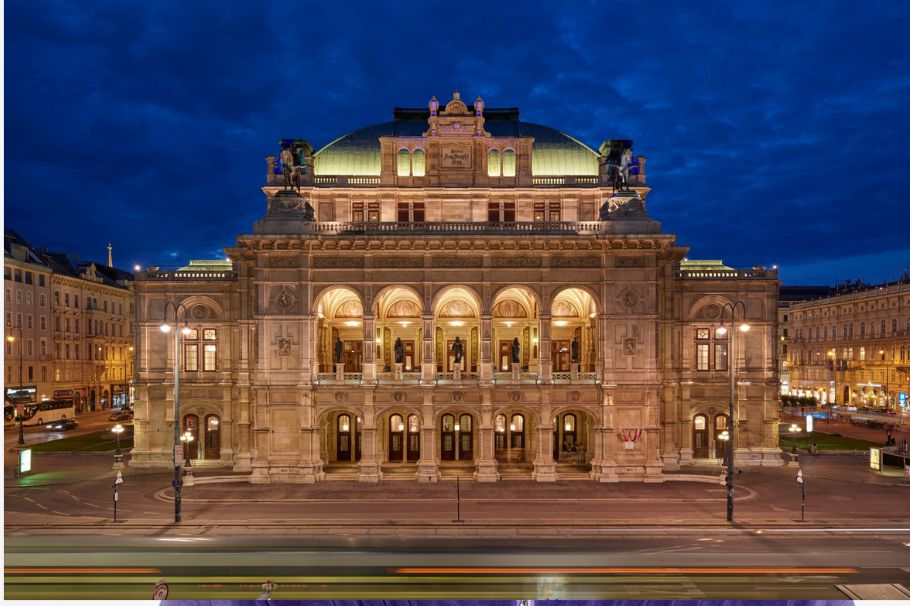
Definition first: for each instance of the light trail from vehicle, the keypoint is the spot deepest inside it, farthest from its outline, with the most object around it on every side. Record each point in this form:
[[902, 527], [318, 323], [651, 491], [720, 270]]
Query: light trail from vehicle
[[564, 571]]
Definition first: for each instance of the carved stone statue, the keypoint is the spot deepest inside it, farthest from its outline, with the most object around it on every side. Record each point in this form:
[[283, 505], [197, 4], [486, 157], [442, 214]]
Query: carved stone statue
[[339, 351], [434, 106], [575, 350], [399, 351], [289, 170], [458, 350], [516, 351]]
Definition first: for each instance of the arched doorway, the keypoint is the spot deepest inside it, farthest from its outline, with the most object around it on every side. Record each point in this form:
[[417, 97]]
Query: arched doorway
[[457, 431], [212, 437], [510, 440], [700, 436], [339, 315], [347, 438], [572, 436], [846, 399], [413, 438], [396, 438], [191, 427]]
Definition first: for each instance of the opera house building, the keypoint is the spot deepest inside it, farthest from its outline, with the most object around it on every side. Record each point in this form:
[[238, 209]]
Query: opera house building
[[455, 293]]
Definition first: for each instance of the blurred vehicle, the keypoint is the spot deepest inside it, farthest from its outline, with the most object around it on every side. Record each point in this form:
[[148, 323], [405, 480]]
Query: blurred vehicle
[[64, 425], [121, 415]]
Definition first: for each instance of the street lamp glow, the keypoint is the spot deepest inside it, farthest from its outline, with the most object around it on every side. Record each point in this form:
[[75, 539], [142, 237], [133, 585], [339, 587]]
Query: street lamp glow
[[11, 338], [185, 330], [744, 328], [165, 328], [722, 330]]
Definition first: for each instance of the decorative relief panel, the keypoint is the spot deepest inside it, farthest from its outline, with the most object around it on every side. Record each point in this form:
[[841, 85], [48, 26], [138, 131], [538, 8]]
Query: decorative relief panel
[[397, 261], [457, 261], [629, 346], [630, 261], [284, 347], [284, 261], [337, 262], [509, 309], [201, 312], [629, 298], [510, 261], [282, 299], [575, 261]]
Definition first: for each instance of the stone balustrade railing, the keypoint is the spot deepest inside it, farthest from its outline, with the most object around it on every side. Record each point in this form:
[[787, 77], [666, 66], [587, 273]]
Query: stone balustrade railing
[[455, 227]]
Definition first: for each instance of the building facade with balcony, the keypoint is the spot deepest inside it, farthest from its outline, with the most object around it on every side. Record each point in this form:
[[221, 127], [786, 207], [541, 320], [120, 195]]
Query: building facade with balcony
[[454, 292], [853, 347]]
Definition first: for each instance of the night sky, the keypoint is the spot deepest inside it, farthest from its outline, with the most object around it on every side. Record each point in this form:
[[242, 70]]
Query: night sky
[[776, 133]]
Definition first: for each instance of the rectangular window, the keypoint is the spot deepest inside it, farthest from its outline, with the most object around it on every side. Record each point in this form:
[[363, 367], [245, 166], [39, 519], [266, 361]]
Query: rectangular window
[[43, 368], [76, 301], [720, 356], [18, 296], [66, 299], [403, 212], [29, 348], [57, 297], [357, 212], [28, 321], [17, 275], [28, 297], [191, 357], [40, 279], [208, 334], [28, 277], [702, 356], [555, 211], [419, 212], [7, 296], [208, 363], [42, 345], [31, 373], [702, 333], [501, 212], [41, 300], [373, 212], [540, 211], [9, 319]]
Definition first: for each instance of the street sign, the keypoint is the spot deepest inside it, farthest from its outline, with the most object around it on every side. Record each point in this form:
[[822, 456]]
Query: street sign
[[799, 476], [902, 397], [25, 460], [875, 458]]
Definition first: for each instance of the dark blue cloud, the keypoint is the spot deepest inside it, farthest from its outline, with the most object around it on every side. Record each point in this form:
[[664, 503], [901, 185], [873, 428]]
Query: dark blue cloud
[[775, 132]]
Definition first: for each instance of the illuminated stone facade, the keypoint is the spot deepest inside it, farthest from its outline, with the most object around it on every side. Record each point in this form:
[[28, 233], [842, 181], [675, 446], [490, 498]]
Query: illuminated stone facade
[[853, 348], [334, 334]]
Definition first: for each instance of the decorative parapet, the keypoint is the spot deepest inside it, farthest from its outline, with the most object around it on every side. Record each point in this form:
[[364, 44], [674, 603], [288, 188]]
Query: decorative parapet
[[456, 227], [756, 273], [154, 274]]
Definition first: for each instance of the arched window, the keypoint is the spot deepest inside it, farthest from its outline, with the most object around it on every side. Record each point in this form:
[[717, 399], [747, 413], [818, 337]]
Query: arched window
[[700, 422], [465, 422], [396, 423], [413, 424], [508, 163], [517, 427], [862, 354], [500, 423], [493, 167], [344, 423], [404, 163], [419, 162]]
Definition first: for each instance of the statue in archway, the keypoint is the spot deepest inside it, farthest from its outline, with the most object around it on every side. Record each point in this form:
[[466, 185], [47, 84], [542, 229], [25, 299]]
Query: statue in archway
[[339, 351], [516, 351], [399, 351], [458, 350], [575, 350]]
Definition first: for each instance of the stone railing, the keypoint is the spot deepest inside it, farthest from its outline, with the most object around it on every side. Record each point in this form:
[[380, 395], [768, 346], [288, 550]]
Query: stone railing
[[508, 377], [350, 378], [406, 378], [344, 181], [563, 181], [580, 377], [194, 275], [727, 274], [449, 377], [455, 227]]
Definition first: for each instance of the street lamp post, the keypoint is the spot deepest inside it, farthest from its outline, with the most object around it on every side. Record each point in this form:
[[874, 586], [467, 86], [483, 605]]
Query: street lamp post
[[165, 328], [117, 429], [12, 339], [743, 327]]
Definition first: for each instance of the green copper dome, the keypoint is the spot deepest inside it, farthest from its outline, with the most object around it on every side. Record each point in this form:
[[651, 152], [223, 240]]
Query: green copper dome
[[554, 153]]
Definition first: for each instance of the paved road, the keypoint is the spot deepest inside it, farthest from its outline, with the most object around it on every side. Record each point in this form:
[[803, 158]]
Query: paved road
[[648, 564], [88, 423]]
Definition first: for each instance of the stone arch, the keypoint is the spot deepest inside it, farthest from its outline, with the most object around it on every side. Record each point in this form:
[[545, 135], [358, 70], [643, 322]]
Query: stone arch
[[452, 291], [527, 295], [594, 306], [396, 292], [193, 303], [324, 298], [698, 310]]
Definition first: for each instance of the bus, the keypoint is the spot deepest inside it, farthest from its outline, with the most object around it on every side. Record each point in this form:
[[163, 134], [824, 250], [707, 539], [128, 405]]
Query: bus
[[48, 411]]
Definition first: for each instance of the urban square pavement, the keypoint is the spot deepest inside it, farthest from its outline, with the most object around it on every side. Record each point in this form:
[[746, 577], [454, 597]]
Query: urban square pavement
[[72, 494]]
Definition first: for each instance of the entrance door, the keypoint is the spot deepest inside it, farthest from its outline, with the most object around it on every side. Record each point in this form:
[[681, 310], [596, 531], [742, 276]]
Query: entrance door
[[700, 437], [396, 438], [191, 447], [353, 356], [560, 355], [413, 438], [348, 439], [504, 361], [410, 355], [212, 437], [721, 425], [447, 443], [466, 439], [500, 445]]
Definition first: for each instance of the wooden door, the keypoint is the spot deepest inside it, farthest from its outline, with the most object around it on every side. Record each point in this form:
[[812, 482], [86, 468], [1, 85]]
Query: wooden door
[[413, 438], [191, 447], [504, 361], [353, 356], [344, 447], [700, 437], [396, 438], [212, 437], [560, 354], [466, 439], [447, 443]]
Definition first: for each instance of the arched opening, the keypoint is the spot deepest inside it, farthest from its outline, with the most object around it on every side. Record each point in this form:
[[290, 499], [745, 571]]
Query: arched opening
[[404, 163], [457, 339], [413, 438], [573, 336], [339, 330], [396, 438], [846, 400], [399, 330], [571, 437], [510, 438], [212, 450], [516, 316], [700, 436], [457, 432], [508, 163], [191, 431], [493, 164], [418, 163], [347, 437]]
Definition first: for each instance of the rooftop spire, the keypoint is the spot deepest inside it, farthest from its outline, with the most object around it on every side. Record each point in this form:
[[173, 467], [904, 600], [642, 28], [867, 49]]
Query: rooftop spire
[[110, 256]]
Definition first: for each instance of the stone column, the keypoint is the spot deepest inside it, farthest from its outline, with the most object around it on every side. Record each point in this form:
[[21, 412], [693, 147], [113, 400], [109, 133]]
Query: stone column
[[370, 466], [603, 465], [544, 465], [428, 363], [369, 349], [546, 364], [487, 365], [428, 464], [486, 469]]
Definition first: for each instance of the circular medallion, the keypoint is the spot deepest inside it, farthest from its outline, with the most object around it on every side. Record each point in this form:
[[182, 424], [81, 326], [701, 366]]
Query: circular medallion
[[515, 396], [284, 298], [340, 396], [712, 311], [628, 298], [398, 396], [200, 311], [574, 396], [457, 396]]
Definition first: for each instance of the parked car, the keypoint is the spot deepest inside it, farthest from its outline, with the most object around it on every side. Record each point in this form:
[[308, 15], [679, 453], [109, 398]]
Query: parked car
[[64, 425], [121, 415]]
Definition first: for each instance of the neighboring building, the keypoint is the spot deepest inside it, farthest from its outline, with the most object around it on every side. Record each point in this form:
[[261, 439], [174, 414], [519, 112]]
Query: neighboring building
[[93, 334], [788, 296], [76, 320], [455, 292], [853, 347], [26, 299]]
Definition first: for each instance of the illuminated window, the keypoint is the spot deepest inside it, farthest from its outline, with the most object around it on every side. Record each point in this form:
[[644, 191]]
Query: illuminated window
[[493, 164], [418, 160], [191, 357], [357, 211], [862, 354], [208, 334], [702, 356], [700, 422], [720, 356], [208, 362], [404, 163], [702, 333], [501, 212], [508, 163]]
